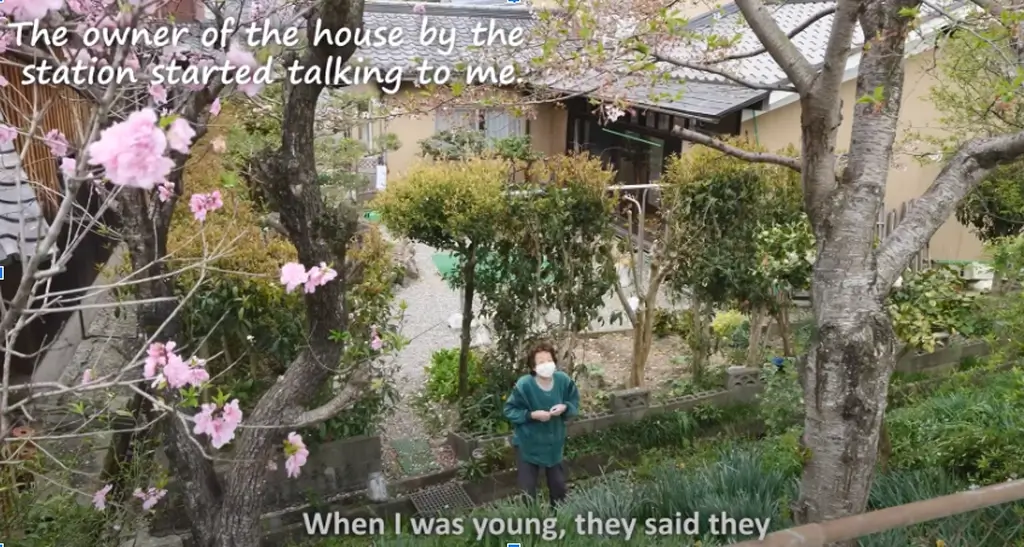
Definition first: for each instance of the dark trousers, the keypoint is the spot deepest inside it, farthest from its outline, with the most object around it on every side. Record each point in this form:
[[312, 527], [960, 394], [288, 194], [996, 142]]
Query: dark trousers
[[528, 476]]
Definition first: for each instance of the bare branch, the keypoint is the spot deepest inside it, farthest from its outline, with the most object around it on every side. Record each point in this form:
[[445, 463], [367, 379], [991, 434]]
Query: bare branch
[[354, 386], [723, 73], [791, 34], [797, 68], [968, 166], [758, 157]]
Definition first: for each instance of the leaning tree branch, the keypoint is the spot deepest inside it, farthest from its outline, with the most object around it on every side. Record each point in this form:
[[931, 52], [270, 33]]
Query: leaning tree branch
[[791, 34], [833, 68], [968, 166], [797, 68], [354, 388], [735, 151], [721, 73]]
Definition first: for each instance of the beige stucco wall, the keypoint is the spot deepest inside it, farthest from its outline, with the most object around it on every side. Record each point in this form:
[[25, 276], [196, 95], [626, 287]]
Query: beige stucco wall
[[907, 179], [547, 132]]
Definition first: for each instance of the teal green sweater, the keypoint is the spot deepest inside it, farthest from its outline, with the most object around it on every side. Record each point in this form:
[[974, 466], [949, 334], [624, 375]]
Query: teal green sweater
[[541, 443]]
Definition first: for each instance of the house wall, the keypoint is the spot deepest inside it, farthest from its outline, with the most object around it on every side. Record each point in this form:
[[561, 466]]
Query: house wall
[[547, 133], [907, 178]]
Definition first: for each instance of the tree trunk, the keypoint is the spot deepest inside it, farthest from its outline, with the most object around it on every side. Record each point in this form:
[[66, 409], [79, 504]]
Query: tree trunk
[[846, 381], [469, 278], [782, 319], [643, 335], [756, 341]]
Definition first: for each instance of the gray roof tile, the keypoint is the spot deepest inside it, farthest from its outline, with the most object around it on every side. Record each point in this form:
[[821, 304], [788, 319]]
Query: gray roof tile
[[461, 18], [762, 69]]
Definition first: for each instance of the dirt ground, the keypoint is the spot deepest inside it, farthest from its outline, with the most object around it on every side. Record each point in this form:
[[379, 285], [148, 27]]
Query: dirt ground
[[611, 354]]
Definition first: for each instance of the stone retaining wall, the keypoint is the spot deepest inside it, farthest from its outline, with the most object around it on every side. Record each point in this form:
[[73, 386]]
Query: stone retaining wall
[[742, 386], [333, 468]]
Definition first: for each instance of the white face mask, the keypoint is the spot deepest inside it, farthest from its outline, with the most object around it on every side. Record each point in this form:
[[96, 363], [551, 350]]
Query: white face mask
[[545, 370]]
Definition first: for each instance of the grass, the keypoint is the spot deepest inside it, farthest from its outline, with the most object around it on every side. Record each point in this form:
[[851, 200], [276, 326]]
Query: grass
[[759, 479]]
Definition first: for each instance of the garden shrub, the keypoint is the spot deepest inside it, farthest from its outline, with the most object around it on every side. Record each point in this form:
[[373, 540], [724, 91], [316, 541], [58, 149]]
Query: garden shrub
[[483, 411], [974, 432], [443, 375], [671, 323], [933, 301], [726, 323], [781, 403]]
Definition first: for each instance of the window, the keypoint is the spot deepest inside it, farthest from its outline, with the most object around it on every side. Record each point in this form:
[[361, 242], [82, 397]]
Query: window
[[362, 131], [495, 123]]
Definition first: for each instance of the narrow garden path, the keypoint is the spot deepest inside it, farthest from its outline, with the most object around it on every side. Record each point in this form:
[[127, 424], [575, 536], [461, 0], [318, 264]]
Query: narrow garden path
[[408, 448]]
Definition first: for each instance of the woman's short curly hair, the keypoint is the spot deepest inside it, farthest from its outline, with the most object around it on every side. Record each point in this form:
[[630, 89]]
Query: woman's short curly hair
[[540, 347]]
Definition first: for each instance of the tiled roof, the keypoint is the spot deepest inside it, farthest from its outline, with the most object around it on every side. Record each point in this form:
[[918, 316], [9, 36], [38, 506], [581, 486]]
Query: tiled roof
[[703, 100], [762, 69], [21, 222], [462, 18], [708, 101]]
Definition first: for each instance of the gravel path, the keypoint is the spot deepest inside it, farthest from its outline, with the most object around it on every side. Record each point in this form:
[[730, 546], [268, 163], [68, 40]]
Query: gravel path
[[430, 303]]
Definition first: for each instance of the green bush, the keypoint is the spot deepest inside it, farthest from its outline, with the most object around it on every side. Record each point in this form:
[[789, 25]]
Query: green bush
[[483, 412], [443, 375], [974, 432], [782, 401]]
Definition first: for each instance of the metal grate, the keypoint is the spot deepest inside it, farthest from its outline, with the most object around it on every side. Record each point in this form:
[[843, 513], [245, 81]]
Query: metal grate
[[444, 497]]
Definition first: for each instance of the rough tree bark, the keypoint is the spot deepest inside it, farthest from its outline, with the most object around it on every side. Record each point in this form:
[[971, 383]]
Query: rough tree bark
[[847, 371], [227, 513], [319, 234], [469, 277]]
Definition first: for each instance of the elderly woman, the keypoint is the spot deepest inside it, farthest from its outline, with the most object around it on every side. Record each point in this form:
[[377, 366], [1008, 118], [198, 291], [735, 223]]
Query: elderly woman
[[538, 408]]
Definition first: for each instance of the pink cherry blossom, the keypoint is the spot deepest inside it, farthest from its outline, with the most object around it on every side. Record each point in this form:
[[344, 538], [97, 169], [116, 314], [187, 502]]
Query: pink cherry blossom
[[132, 152], [419, 8], [132, 60], [87, 376], [26, 10], [219, 145], [56, 142], [68, 166], [179, 135], [7, 134], [149, 496], [296, 453], [165, 190], [318, 276], [239, 58], [293, 274], [158, 93], [157, 356], [221, 429], [375, 342], [3, 81], [200, 204], [179, 373], [99, 499], [215, 107]]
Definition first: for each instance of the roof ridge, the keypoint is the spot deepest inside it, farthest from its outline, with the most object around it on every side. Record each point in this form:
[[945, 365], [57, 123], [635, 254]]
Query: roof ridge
[[450, 10]]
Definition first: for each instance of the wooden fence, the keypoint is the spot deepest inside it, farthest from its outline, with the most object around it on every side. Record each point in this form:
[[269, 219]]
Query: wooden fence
[[887, 222], [60, 108]]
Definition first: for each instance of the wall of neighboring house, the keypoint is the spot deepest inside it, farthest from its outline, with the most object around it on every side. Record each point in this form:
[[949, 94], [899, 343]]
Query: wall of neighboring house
[[32, 163], [547, 130], [908, 178]]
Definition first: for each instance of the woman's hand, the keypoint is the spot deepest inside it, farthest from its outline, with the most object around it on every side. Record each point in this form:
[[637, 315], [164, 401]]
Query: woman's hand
[[558, 410], [540, 415]]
